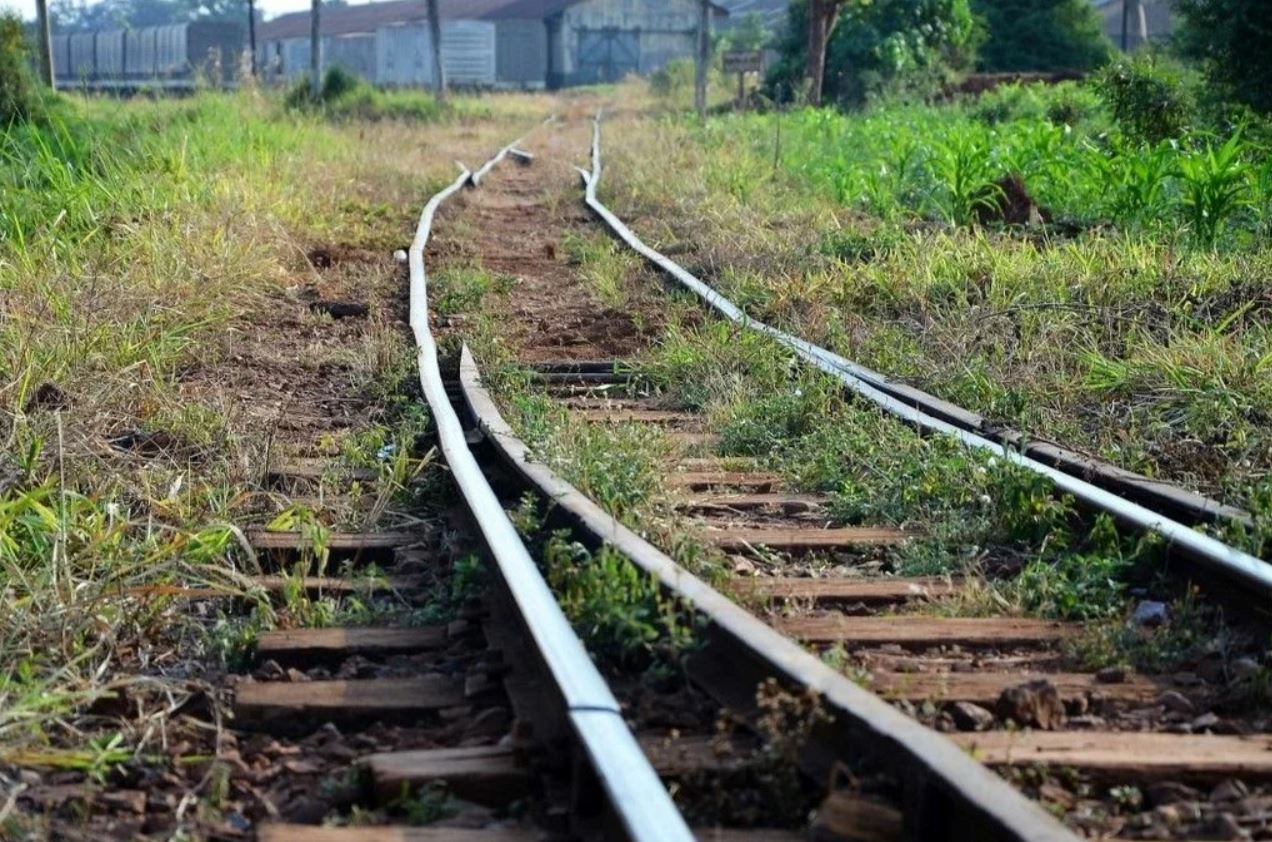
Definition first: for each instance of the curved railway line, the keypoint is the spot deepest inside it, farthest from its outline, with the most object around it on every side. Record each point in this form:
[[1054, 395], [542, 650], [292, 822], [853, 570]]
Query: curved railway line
[[756, 731]]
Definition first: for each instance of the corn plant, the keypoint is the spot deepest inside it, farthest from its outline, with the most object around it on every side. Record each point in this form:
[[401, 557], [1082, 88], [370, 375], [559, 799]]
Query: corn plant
[[1214, 186], [961, 166]]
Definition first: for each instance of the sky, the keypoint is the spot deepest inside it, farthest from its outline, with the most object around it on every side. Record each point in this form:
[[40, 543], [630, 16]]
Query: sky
[[271, 8]]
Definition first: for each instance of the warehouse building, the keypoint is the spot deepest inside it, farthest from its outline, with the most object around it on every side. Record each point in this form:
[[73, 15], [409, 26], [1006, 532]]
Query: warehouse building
[[490, 43]]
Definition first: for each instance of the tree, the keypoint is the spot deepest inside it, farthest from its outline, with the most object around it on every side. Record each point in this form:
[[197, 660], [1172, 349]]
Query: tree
[[1044, 35], [1233, 39], [435, 35], [822, 17], [909, 47]]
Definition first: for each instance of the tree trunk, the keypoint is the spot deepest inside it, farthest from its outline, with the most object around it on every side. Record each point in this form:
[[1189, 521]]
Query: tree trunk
[[315, 52], [435, 34], [45, 34], [704, 58], [821, 21], [251, 34]]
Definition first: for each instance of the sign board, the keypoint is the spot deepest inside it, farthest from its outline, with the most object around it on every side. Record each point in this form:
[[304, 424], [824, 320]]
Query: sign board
[[744, 61]]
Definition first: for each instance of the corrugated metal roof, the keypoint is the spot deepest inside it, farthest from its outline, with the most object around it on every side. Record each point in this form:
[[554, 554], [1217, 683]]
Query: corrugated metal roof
[[368, 17]]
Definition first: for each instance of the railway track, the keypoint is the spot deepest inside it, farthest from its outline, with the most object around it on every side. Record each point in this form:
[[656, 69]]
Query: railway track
[[1114, 752], [850, 706]]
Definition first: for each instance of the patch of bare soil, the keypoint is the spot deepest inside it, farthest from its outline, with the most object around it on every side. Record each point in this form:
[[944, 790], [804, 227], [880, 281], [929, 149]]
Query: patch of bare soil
[[514, 225]]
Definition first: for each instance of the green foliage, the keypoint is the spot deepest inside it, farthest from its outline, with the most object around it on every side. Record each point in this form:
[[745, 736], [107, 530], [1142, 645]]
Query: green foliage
[[1233, 40], [673, 79], [19, 98], [749, 33], [345, 96], [1150, 99], [1041, 35], [1215, 187], [962, 169], [901, 47], [460, 289], [615, 606], [1083, 585]]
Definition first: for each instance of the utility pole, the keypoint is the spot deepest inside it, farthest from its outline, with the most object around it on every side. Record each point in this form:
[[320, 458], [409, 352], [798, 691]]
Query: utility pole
[[251, 33], [1126, 16], [704, 58], [435, 34], [45, 35], [315, 52]]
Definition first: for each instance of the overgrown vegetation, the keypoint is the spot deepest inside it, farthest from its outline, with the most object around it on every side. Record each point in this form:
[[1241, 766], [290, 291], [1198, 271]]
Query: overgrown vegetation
[[1041, 35], [153, 256], [19, 98], [1069, 260], [345, 96]]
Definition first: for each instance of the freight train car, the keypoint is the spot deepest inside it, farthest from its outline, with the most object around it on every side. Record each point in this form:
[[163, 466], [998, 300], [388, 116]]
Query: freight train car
[[177, 56]]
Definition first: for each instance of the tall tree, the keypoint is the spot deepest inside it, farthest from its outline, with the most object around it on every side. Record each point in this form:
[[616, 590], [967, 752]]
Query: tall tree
[[1233, 38], [1025, 35], [44, 31], [822, 17], [435, 35], [251, 34]]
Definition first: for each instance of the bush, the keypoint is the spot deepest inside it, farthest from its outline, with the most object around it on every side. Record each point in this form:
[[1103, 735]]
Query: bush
[[887, 47], [1150, 99], [19, 96], [1041, 35], [347, 97], [1065, 104], [1233, 39]]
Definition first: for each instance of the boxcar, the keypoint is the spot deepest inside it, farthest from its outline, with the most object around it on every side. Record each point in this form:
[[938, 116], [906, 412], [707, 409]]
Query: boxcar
[[174, 56]]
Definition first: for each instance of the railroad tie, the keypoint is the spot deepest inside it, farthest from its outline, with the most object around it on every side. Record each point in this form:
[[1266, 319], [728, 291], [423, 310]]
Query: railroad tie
[[295, 705], [1141, 755], [918, 631], [880, 590], [798, 538], [487, 775], [306, 647]]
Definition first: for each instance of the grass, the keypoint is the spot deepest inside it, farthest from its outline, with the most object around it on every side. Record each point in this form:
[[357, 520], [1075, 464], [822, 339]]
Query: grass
[[148, 249], [1128, 327]]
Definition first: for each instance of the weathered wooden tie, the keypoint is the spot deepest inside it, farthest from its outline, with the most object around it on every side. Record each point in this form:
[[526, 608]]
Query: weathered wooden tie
[[984, 688], [1138, 754], [794, 538], [872, 590], [489, 775], [291, 647], [787, 503], [280, 704], [917, 631]]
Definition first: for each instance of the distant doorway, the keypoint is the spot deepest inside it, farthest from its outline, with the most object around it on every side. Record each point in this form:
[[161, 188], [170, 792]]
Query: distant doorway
[[607, 55]]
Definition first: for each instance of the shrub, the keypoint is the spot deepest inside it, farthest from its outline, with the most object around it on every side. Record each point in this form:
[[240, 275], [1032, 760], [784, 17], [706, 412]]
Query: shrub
[[19, 97], [345, 96], [1150, 100], [1234, 40], [1041, 35]]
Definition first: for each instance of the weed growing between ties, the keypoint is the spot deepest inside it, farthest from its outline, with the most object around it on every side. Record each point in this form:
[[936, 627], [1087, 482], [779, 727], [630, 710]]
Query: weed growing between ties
[[620, 610], [154, 261], [1029, 255], [973, 515]]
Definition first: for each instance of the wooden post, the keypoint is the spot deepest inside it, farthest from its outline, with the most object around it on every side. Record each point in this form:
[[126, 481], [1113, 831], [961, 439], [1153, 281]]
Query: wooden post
[[1126, 16], [251, 33], [315, 51], [45, 34], [704, 58], [435, 33]]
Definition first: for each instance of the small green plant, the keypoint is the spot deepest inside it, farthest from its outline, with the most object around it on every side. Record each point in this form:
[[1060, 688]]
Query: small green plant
[[1214, 185], [618, 609], [961, 166]]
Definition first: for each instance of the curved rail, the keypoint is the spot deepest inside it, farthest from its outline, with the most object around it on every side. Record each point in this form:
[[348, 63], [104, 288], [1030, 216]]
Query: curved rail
[[1210, 551], [916, 753], [637, 795]]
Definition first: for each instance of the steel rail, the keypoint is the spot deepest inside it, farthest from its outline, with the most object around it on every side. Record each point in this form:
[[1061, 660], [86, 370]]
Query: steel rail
[[484, 169], [901, 743], [636, 794], [1203, 548]]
